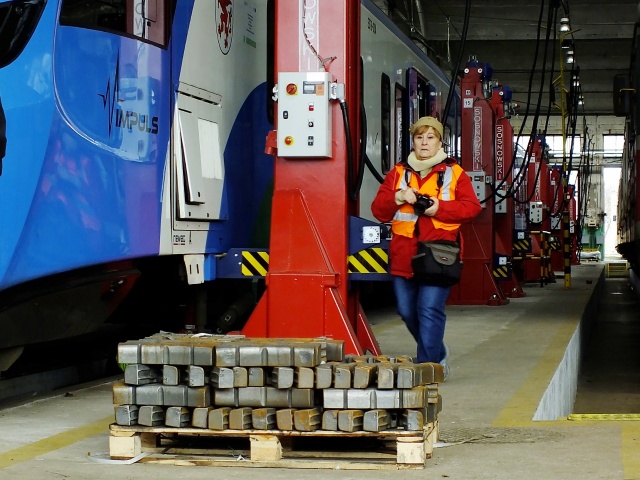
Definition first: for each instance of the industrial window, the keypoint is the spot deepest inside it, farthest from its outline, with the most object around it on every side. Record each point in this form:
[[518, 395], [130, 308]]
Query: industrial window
[[555, 145], [612, 145], [385, 123], [144, 19]]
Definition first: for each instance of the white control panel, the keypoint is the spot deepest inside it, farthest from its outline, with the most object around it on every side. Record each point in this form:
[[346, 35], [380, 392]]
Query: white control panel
[[304, 116], [535, 212], [500, 202], [479, 186]]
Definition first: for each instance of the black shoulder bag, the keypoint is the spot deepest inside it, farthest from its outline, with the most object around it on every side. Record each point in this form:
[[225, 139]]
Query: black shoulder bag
[[437, 263]]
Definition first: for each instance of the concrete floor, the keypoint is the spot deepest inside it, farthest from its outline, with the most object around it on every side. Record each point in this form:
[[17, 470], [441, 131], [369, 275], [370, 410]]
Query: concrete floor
[[505, 362]]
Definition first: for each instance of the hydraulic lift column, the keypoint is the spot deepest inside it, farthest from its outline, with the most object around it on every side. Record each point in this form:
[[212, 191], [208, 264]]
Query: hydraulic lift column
[[317, 58]]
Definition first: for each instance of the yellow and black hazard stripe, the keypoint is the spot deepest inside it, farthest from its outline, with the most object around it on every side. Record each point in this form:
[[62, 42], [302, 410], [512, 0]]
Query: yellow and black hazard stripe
[[369, 260], [522, 246], [502, 272], [255, 264]]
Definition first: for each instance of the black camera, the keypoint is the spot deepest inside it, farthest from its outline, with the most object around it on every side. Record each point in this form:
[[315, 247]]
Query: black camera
[[423, 202]]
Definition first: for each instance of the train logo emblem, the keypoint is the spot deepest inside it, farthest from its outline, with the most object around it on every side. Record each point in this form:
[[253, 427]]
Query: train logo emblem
[[224, 24]]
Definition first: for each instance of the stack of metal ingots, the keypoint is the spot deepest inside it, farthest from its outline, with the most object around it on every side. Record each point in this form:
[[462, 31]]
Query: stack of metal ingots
[[237, 383]]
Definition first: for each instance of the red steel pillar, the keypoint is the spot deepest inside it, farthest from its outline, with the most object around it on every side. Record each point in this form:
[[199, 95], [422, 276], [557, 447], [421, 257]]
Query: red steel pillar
[[478, 285], [504, 203], [307, 292]]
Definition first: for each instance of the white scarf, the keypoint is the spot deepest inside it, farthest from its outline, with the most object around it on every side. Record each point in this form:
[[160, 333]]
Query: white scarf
[[423, 167]]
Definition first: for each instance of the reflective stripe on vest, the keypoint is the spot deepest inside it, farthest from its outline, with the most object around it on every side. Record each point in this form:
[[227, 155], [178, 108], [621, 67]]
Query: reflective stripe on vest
[[405, 219]]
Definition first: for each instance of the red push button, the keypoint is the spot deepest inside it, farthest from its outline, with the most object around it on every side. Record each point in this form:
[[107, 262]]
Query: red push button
[[288, 140], [292, 89]]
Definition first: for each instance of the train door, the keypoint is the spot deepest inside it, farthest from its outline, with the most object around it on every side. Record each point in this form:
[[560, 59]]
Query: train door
[[197, 167]]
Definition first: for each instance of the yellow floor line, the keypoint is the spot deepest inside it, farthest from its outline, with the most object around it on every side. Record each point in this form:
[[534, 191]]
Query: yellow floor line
[[610, 417], [630, 449], [54, 442]]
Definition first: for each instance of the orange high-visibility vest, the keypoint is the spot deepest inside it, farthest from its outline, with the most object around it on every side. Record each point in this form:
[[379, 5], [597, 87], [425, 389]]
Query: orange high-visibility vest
[[441, 185]]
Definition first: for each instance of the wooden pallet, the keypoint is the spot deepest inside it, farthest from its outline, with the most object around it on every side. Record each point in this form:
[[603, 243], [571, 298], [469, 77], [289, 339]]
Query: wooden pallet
[[391, 449]]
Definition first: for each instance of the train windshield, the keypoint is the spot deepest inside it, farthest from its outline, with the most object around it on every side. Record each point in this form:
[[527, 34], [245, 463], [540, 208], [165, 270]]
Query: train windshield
[[18, 20], [142, 19]]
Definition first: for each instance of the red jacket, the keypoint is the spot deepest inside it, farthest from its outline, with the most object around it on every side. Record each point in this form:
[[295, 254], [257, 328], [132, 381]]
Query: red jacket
[[463, 209]]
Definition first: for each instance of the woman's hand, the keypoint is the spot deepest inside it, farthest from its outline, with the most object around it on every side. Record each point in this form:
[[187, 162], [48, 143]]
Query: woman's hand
[[406, 196], [431, 211]]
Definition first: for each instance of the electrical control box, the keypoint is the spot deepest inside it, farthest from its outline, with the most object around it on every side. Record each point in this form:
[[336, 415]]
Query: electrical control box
[[500, 201], [535, 212], [304, 116], [479, 186]]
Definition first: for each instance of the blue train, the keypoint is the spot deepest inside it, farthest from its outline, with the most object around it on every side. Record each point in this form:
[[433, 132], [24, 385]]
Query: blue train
[[135, 131], [135, 135]]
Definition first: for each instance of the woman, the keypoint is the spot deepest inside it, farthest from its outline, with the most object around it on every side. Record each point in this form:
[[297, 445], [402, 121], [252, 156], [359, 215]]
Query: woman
[[428, 172]]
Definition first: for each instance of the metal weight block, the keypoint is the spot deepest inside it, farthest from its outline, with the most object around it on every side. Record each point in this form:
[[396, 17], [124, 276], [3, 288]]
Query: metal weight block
[[438, 373], [364, 375], [388, 399], [151, 354], [282, 377], [123, 394], [413, 420], [226, 356], [330, 420], [240, 377], [219, 418], [200, 417], [175, 395], [302, 397], [240, 419], [127, 415], [387, 375], [324, 375], [225, 397], [407, 376], [307, 420], [279, 356], [253, 356], [304, 377], [350, 420], [171, 375], [415, 397], [306, 356], [180, 354], [278, 398], [199, 396], [263, 418], [203, 356], [129, 353], [256, 377], [222, 377], [136, 374], [335, 350], [151, 394], [334, 398], [364, 399], [195, 376], [376, 420], [179, 417], [343, 375], [151, 415], [284, 419], [252, 397]]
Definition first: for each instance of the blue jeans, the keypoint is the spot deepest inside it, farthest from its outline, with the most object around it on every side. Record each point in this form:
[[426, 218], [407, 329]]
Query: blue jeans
[[422, 310]]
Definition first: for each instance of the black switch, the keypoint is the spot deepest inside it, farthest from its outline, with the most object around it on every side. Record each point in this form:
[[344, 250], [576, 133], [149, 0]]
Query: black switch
[[285, 114]]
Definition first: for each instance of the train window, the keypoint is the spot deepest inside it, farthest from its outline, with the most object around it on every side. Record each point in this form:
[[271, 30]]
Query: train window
[[143, 19], [399, 124], [385, 123], [18, 20]]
